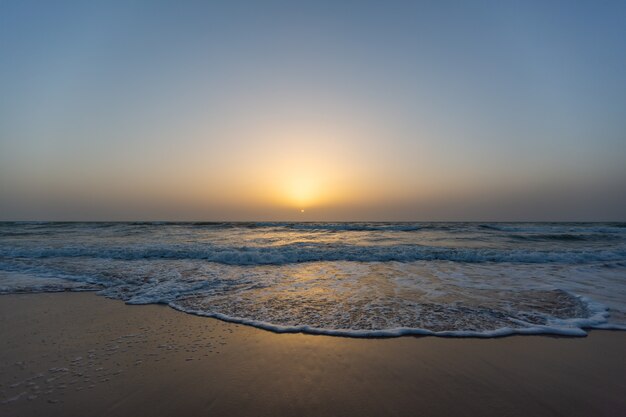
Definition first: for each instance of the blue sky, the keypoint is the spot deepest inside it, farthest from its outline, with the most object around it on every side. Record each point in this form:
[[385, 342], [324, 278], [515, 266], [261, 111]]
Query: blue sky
[[349, 110]]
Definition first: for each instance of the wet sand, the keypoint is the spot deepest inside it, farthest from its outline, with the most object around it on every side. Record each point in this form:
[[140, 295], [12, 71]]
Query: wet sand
[[78, 354]]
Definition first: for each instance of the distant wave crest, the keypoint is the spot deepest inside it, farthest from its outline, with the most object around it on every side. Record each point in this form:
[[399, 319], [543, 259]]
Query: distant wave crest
[[311, 252]]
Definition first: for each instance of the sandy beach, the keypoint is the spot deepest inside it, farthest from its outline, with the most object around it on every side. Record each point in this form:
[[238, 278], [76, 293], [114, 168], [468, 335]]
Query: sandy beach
[[321, 208], [78, 354]]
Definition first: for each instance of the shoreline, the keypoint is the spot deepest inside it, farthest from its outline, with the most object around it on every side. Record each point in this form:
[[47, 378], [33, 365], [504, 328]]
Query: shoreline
[[82, 354], [600, 313]]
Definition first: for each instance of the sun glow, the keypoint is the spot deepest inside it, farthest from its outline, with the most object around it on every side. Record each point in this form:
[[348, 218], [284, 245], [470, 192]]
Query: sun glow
[[302, 189], [303, 167], [291, 167]]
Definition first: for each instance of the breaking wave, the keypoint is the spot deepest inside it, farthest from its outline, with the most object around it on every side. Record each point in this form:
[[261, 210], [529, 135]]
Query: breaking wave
[[312, 252]]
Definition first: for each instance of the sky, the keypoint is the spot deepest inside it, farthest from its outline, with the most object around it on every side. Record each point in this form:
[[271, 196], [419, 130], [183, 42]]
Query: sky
[[313, 110]]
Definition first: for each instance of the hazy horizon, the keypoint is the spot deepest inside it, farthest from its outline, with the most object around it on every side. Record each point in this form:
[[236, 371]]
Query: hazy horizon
[[294, 111]]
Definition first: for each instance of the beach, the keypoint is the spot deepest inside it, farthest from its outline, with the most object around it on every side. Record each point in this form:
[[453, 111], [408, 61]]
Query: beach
[[79, 354], [322, 208]]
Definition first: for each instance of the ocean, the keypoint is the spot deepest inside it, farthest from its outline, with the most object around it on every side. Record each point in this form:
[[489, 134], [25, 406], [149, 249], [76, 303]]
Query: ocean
[[345, 279]]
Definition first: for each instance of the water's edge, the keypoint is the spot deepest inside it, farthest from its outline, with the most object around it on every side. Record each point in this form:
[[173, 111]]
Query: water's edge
[[577, 332]]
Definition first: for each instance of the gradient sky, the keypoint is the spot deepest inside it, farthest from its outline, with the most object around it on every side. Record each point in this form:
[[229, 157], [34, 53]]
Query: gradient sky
[[350, 110]]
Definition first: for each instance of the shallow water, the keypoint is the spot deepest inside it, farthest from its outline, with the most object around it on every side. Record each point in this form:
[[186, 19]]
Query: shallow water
[[358, 279]]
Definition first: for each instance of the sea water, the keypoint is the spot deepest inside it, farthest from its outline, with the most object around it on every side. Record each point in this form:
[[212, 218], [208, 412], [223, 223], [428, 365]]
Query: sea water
[[351, 279]]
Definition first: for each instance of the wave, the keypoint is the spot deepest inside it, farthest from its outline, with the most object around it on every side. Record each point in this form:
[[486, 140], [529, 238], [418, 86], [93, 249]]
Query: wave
[[566, 237], [574, 327], [354, 227], [17, 228], [597, 318], [556, 228], [365, 279], [51, 228], [312, 252]]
